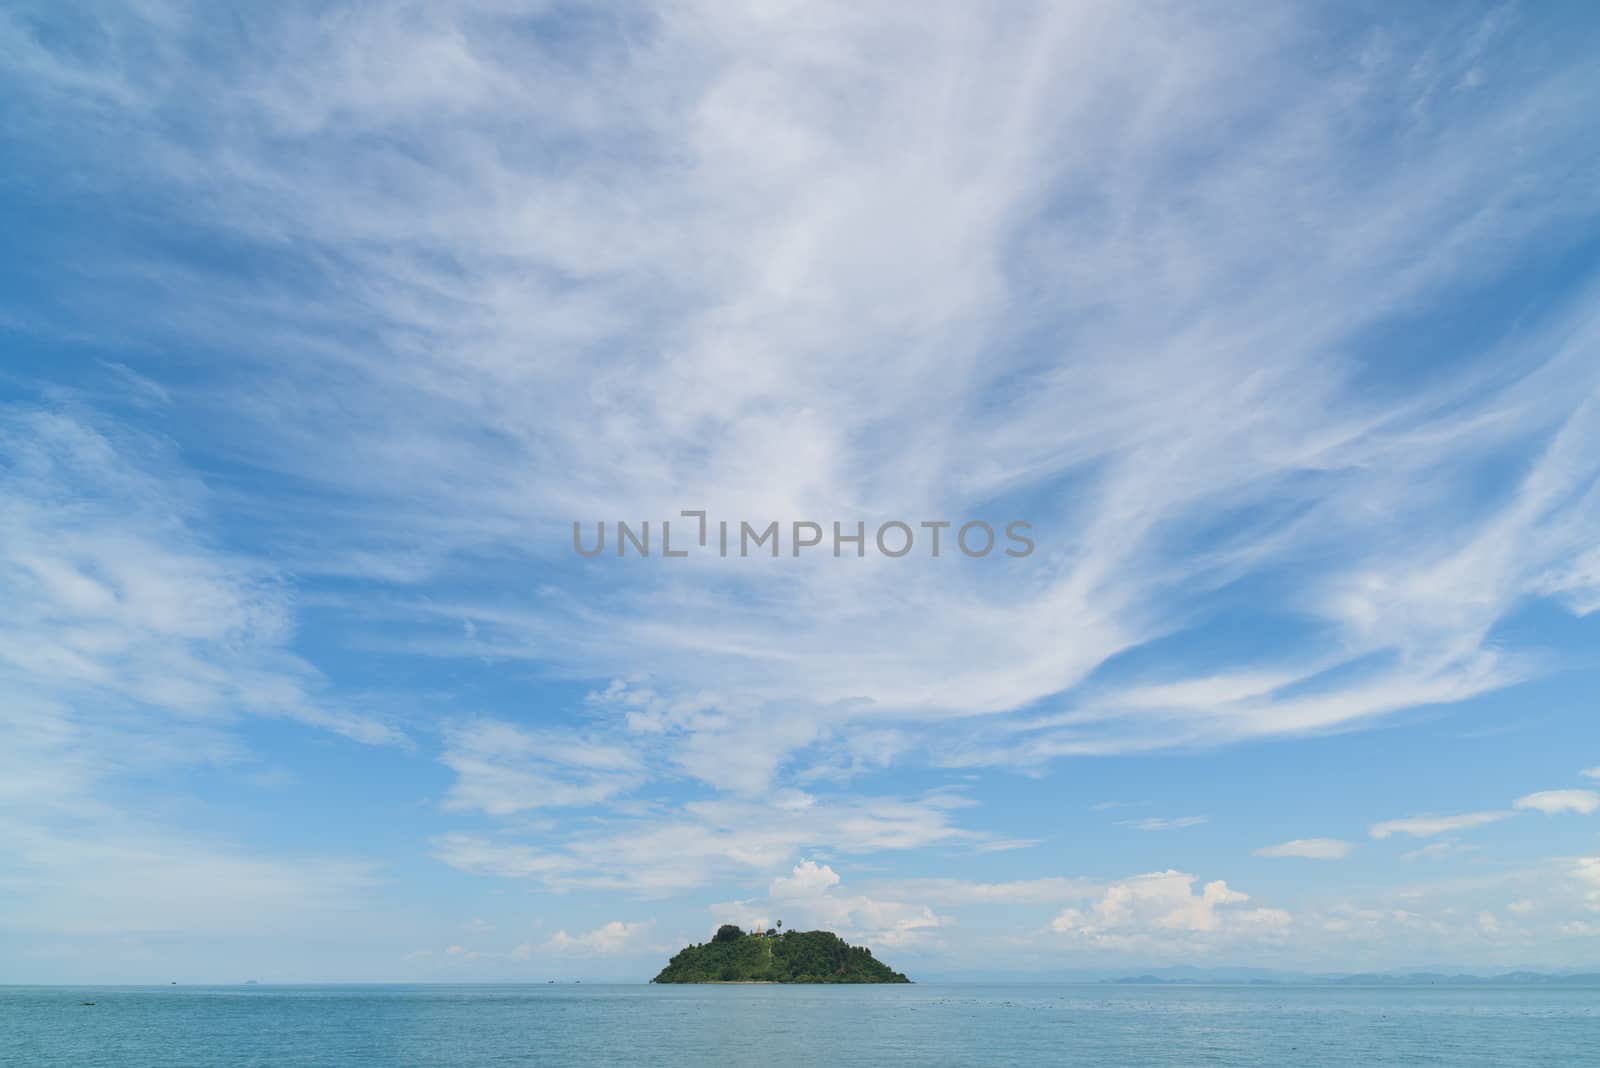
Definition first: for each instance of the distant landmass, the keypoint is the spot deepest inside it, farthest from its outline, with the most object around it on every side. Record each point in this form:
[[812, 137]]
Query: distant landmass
[[1385, 979], [735, 956], [1462, 979], [1433, 974]]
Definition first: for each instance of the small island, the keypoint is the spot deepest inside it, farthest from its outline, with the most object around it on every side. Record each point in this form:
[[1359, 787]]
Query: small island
[[734, 956]]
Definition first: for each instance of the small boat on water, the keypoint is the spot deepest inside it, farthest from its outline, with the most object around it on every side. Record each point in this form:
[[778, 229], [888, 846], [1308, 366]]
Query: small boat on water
[[85, 1003]]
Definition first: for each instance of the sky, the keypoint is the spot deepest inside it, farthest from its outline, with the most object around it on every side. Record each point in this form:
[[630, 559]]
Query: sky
[[321, 326]]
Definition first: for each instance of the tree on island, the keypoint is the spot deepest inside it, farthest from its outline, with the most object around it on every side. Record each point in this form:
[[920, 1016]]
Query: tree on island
[[732, 956]]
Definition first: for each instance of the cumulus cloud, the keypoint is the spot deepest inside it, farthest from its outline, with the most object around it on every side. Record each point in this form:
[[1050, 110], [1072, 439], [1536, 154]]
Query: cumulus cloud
[[1551, 802], [1310, 848], [809, 896], [613, 937], [808, 879], [1161, 910]]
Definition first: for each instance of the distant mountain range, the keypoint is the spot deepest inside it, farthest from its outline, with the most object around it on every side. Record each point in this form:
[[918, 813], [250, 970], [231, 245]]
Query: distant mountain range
[[1195, 976], [1386, 979]]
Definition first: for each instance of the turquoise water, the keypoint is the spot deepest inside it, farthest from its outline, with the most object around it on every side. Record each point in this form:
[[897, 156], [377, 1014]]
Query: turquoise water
[[837, 1027]]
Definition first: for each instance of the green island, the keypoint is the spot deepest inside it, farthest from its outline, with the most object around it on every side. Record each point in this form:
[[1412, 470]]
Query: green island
[[734, 956]]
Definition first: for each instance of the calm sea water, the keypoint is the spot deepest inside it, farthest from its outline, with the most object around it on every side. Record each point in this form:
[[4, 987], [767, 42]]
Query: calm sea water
[[836, 1027]]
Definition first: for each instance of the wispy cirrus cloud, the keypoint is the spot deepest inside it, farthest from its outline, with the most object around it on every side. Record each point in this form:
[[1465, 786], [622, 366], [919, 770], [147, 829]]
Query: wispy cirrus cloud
[[132, 648], [1428, 826], [1309, 848], [502, 769], [1439, 851], [117, 596], [521, 341], [1162, 823], [579, 265], [655, 850]]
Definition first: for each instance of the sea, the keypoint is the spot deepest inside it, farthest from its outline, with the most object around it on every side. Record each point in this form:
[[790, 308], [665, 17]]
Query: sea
[[782, 1026]]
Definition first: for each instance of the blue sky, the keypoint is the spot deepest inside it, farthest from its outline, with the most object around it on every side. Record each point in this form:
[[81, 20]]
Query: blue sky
[[321, 326]]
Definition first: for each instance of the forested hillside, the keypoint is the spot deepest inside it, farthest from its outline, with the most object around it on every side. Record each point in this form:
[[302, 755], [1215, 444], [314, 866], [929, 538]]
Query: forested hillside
[[792, 957]]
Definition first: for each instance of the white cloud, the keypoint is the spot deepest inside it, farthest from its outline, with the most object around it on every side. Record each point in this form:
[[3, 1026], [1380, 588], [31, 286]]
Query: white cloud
[[1159, 823], [502, 769], [1311, 848], [808, 879], [117, 877], [131, 647], [1161, 910], [807, 897], [1428, 826], [1438, 851], [1397, 926], [1587, 873], [613, 937], [656, 851], [509, 860], [1591, 773], [812, 215], [1049, 890], [1576, 583], [741, 253], [1551, 802], [116, 600]]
